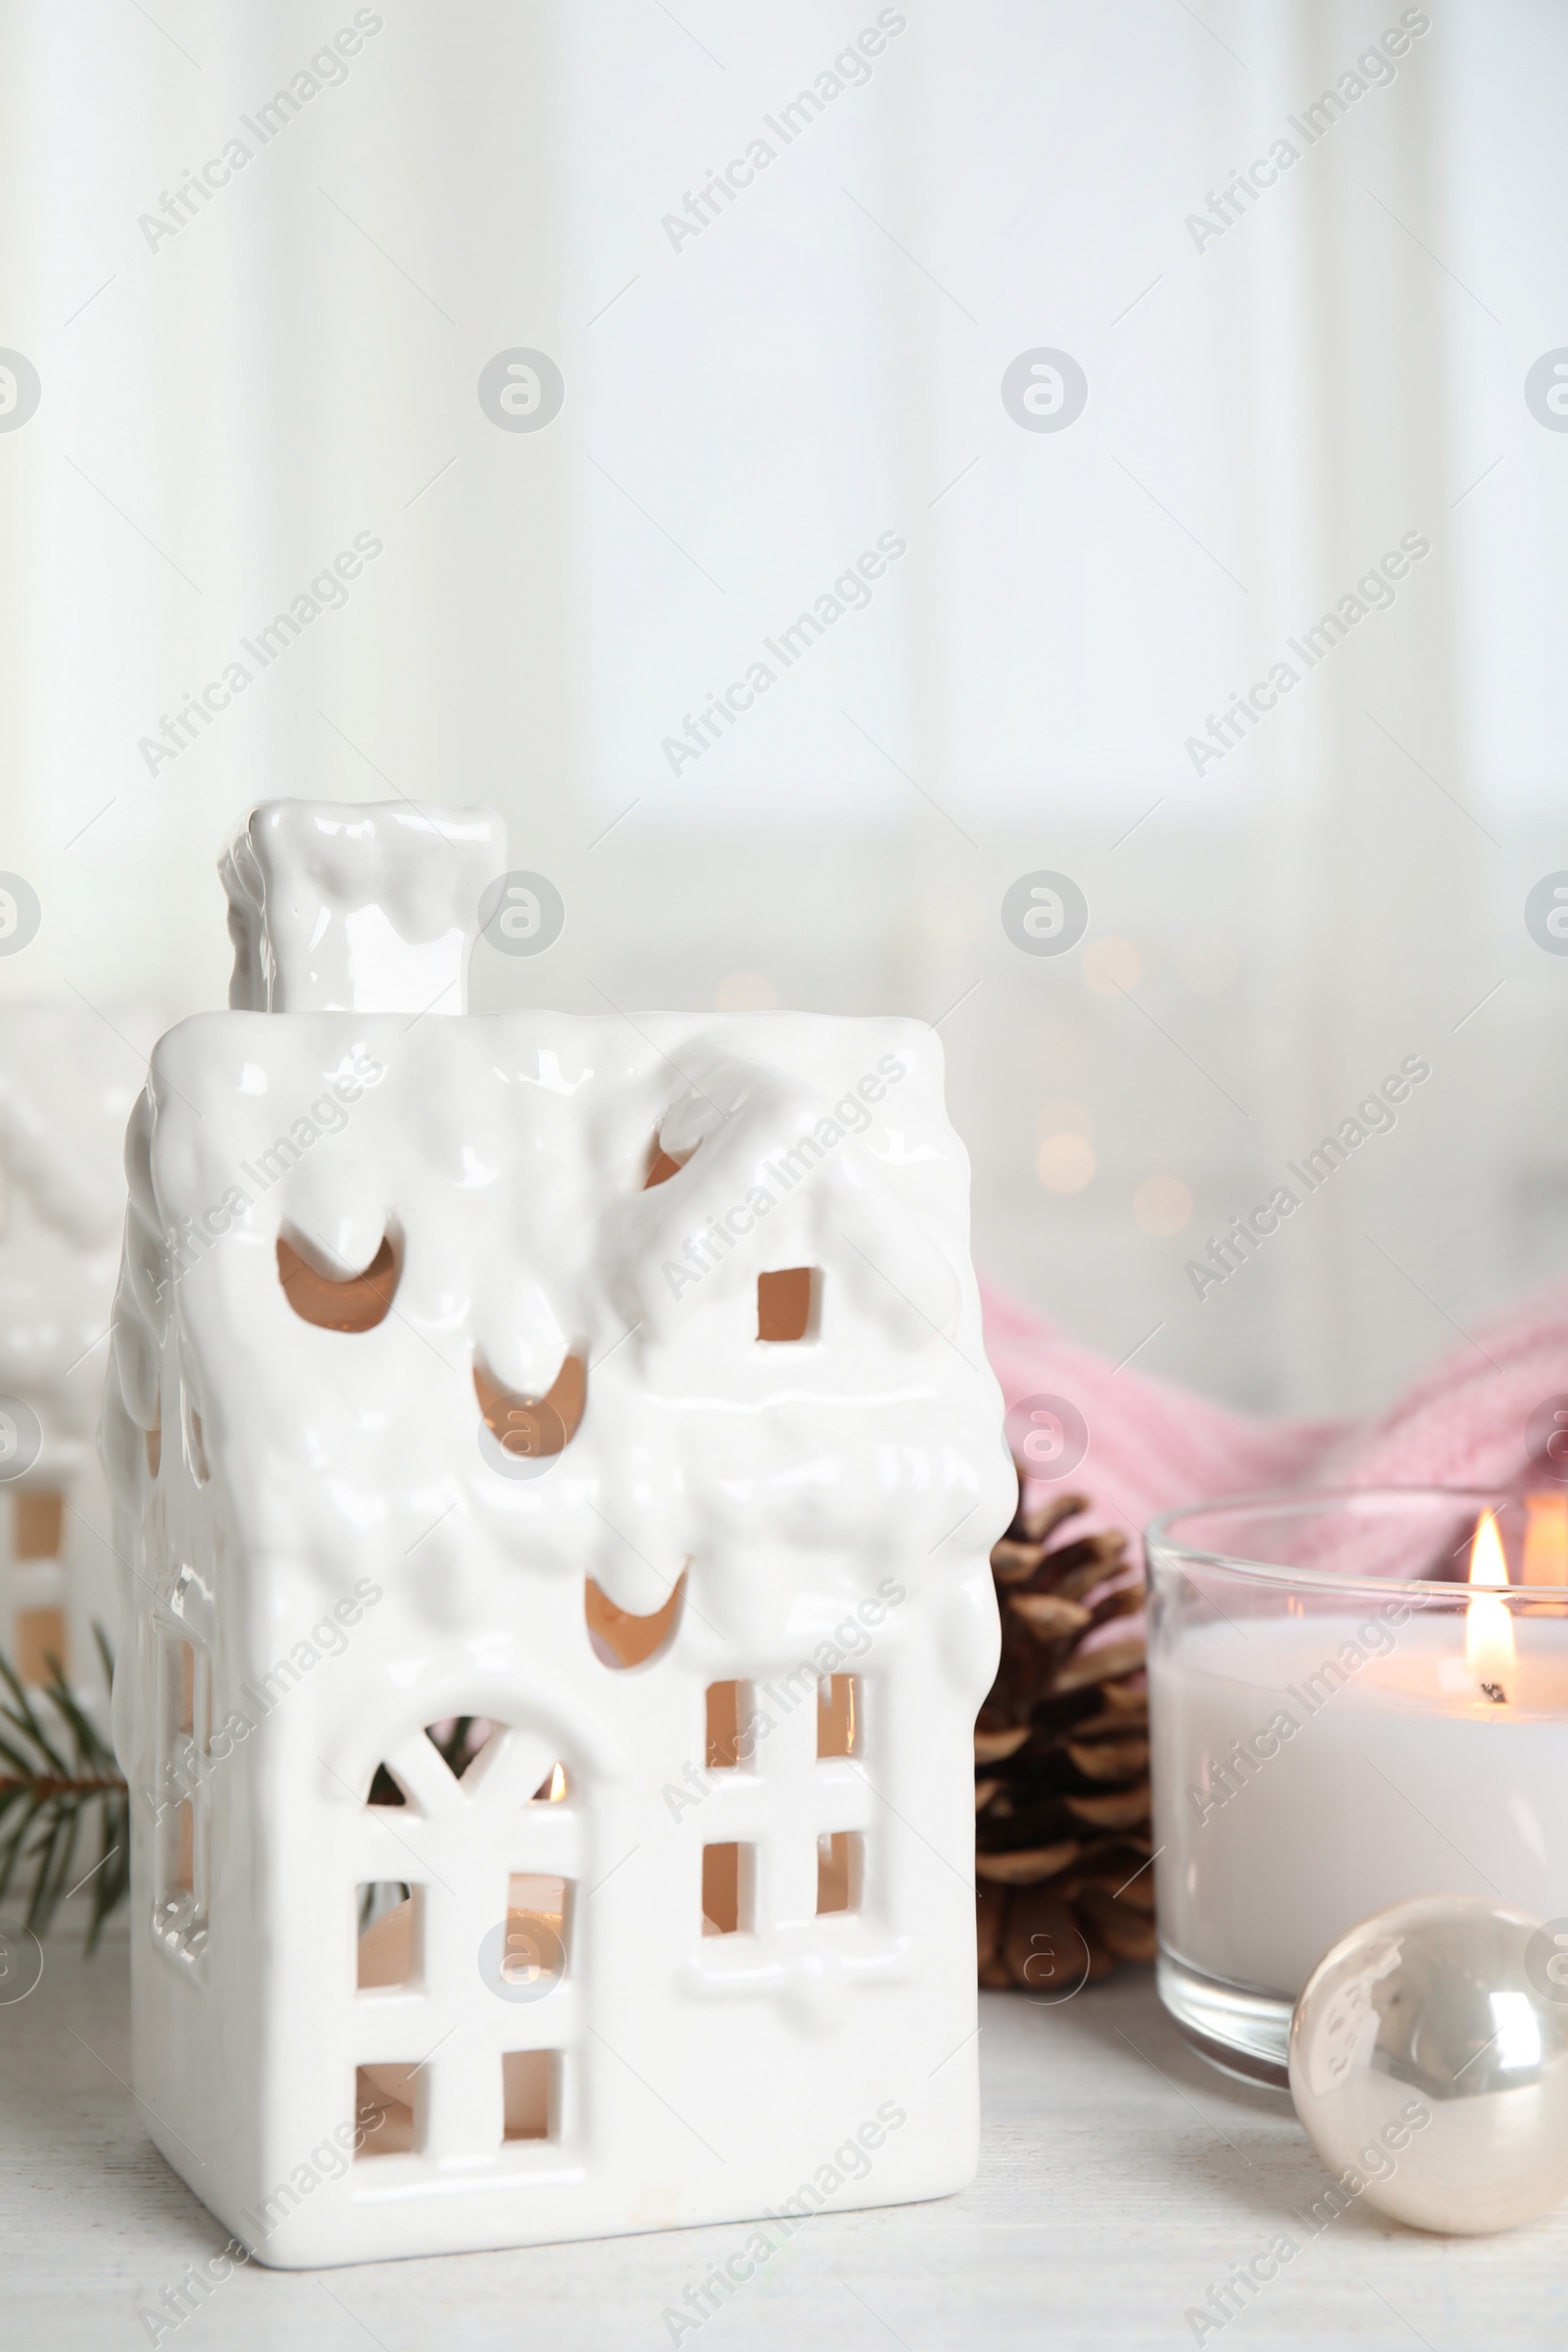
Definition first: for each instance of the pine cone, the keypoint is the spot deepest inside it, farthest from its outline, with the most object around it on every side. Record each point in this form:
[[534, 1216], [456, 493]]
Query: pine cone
[[1062, 1763]]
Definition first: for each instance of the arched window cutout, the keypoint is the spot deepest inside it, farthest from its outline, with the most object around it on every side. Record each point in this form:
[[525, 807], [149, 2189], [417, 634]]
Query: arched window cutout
[[662, 1165], [788, 1305], [353, 1303], [460, 1741], [617, 1638], [532, 1428]]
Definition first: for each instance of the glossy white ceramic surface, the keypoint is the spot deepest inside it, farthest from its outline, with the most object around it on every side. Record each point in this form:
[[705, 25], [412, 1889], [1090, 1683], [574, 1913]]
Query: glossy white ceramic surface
[[336, 903], [348, 1553]]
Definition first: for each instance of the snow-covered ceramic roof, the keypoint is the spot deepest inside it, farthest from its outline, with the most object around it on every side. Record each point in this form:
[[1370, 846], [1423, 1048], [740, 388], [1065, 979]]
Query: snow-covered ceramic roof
[[505, 1157]]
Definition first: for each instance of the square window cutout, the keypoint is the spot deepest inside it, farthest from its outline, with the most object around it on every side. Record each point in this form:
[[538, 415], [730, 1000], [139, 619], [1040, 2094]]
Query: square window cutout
[[838, 1715], [728, 1875], [389, 1938], [840, 1870], [176, 1851], [729, 1742], [177, 1684], [37, 1524], [40, 1636], [179, 1878], [788, 1305], [533, 1943], [386, 2110], [526, 2084]]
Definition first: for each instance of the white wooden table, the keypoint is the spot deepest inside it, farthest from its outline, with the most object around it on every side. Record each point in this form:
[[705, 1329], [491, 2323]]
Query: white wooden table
[[1120, 2179]]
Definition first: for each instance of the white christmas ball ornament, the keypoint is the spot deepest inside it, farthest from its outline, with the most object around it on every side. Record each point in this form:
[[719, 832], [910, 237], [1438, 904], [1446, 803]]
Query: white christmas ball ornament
[[1428, 2063]]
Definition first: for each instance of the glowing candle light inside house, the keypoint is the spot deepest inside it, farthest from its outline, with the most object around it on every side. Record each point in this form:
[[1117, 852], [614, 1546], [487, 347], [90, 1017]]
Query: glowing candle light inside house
[[1488, 1650]]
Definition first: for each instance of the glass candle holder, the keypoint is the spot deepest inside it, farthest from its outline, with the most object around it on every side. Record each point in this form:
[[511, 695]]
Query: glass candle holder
[[1354, 1697]]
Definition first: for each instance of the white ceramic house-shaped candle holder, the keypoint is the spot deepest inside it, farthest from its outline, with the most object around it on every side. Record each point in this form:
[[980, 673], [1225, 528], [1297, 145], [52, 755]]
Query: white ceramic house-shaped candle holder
[[615, 1384], [64, 1097]]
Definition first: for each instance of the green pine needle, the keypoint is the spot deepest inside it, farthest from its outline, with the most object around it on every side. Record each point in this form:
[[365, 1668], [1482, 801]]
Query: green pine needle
[[57, 1778]]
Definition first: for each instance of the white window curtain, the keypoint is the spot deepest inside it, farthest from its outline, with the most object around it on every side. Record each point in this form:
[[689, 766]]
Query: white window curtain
[[782, 379]]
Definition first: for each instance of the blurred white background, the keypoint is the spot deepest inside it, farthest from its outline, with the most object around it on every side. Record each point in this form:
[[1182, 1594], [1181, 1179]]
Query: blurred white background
[[225, 404]]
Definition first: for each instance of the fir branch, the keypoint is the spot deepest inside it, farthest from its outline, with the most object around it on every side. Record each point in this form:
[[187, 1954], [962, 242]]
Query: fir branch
[[55, 1781]]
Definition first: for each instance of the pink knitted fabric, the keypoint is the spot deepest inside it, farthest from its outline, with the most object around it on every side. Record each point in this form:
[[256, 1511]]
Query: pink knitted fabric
[[1152, 1447]]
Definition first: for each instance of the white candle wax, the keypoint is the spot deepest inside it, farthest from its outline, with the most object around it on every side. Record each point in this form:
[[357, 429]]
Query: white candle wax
[[1290, 1802]]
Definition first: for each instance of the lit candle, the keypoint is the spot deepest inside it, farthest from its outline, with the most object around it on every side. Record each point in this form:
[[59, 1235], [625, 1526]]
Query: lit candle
[[1489, 1657], [1316, 1762]]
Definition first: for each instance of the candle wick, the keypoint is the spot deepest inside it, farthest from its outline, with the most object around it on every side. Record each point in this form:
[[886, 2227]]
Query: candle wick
[[1495, 1692]]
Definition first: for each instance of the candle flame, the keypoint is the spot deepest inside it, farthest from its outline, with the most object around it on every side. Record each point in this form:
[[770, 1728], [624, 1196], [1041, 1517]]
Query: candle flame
[[558, 1785], [1488, 1650]]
